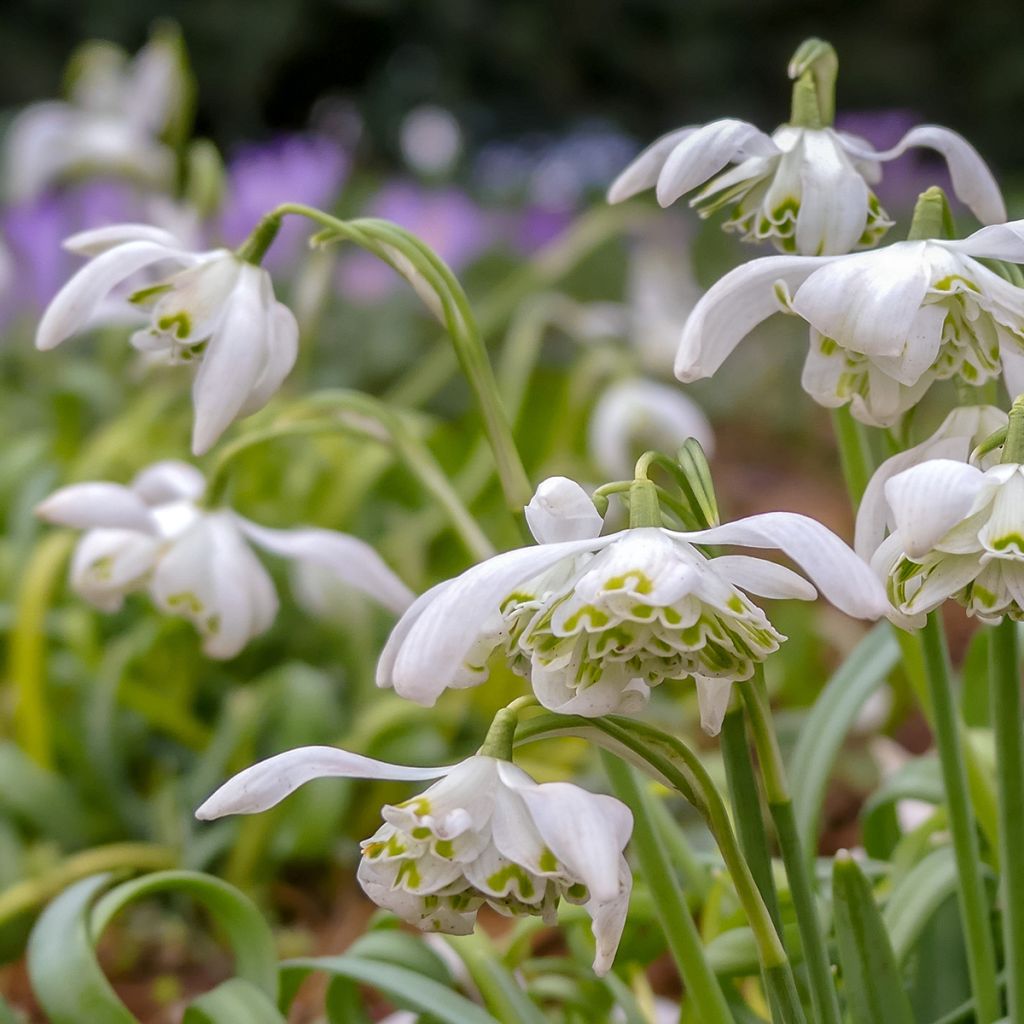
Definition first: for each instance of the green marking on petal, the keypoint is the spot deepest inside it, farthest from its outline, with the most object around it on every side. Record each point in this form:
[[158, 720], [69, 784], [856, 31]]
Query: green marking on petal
[[548, 861], [641, 582], [409, 872], [444, 848], [512, 872], [143, 295], [178, 323], [420, 832]]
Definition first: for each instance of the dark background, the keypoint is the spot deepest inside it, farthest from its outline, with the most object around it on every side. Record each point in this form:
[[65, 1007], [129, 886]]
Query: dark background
[[509, 68]]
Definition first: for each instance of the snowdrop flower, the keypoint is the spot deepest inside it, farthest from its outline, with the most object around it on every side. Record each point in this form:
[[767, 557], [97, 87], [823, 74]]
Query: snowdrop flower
[[211, 307], [634, 414], [113, 121], [956, 438], [805, 187], [595, 622], [485, 833], [197, 563], [959, 532], [884, 325]]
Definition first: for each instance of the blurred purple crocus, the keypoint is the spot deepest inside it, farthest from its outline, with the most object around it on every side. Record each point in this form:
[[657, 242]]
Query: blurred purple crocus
[[914, 172], [293, 169], [447, 219]]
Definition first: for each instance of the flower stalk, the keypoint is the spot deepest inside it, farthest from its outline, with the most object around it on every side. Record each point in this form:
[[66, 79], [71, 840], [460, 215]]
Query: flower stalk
[[794, 857], [970, 884]]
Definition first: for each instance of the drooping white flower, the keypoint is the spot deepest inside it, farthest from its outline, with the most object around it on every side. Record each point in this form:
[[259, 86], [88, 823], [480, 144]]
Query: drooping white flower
[[956, 530], [485, 833], [153, 536], [595, 622], [210, 307], [884, 325], [636, 413], [805, 189], [113, 121], [956, 438]]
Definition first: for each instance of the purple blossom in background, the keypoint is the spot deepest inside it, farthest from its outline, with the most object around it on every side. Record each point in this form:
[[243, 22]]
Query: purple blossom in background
[[448, 220], [534, 226], [906, 178], [306, 169], [34, 231]]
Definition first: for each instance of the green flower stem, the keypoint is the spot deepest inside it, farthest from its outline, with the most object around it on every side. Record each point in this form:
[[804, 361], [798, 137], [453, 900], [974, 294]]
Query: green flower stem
[[444, 296], [702, 987], [974, 911], [794, 857], [363, 414], [1005, 681], [854, 453], [27, 656], [739, 772]]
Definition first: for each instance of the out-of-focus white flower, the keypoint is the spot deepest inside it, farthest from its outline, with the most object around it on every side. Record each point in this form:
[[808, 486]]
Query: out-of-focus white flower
[[431, 139], [211, 307], [634, 414], [595, 622], [883, 325], [485, 833], [958, 531], [805, 189], [195, 562], [113, 121]]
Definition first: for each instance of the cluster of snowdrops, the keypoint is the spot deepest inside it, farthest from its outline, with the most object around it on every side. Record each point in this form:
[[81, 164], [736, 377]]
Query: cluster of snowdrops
[[593, 618]]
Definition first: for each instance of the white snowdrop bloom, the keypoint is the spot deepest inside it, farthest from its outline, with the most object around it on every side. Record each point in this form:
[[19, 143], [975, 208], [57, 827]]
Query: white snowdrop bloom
[[884, 325], [595, 622], [153, 536], [112, 122], [956, 438], [805, 189], [634, 414], [958, 531], [210, 307], [485, 833]]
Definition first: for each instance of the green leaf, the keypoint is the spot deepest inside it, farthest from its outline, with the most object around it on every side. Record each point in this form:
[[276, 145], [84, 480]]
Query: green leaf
[[398, 947], [502, 995], [919, 779], [405, 988], [871, 975], [248, 933], [830, 720], [62, 965], [734, 953], [234, 1002], [917, 897], [39, 798]]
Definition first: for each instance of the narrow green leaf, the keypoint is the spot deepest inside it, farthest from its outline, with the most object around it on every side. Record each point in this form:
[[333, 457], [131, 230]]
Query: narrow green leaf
[[234, 1002], [398, 947], [502, 995], [830, 720], [405, 988], [916, 898], [733, 954], [40, 798], [919, 779], [871, 976], [66, 977], [248, 933]]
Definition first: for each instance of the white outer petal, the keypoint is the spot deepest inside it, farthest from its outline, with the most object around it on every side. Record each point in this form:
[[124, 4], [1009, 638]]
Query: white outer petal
[[586, 831], [92, 505], [1012, 359], [705, 151], [995, 242], [972, 180], [233, 361], [713, 696], [561, 510], [75, 303], [281, 351], [842, 577], [98, 240], [764, 578], [868, 301], [643, 172], [348, 558], [268, 782], [170, 480], [732, 308], [422, 656], [833, 201], [929, 499]]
